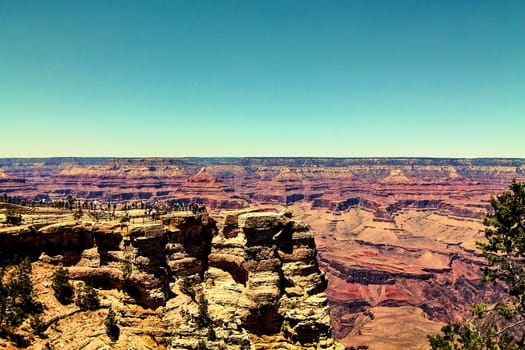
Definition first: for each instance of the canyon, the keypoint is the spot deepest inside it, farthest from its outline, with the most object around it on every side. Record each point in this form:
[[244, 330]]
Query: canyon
[[395, 237]]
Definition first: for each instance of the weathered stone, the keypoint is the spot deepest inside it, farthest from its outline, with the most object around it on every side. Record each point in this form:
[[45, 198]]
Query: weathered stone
[[261, 221], [260, 288], [276, 247]]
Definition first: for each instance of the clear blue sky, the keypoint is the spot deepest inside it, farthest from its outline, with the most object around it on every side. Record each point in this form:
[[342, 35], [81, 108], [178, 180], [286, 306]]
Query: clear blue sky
[[262, 78]]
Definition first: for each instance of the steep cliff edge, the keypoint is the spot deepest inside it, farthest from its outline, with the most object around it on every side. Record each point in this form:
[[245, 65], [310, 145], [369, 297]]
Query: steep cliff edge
[[251, 282]]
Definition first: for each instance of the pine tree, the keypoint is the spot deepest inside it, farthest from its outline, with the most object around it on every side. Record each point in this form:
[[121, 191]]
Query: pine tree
[[16, 297], [499, 326], [203, 319]]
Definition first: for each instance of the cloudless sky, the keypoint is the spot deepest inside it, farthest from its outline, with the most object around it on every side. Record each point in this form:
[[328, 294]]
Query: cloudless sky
[[443, 78]]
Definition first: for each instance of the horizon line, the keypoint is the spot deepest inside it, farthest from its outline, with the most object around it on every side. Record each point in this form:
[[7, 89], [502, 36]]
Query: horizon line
[[263, 157]]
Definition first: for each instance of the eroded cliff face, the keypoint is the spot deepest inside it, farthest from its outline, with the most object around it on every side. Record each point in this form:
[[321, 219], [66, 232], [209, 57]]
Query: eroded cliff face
[[454, 186], [263, 270], [250, 282], [393, 282], [396, 236]]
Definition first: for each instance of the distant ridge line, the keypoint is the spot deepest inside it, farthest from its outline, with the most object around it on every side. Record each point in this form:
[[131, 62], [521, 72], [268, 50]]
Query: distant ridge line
[[288, 161]]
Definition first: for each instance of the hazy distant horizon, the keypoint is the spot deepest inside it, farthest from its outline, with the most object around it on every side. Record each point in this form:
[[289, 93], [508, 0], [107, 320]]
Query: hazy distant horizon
[[400, 158], [254, 156], [349, 78]]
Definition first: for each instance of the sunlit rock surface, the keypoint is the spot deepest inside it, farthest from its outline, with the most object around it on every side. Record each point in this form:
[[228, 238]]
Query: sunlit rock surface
[[256, 271]]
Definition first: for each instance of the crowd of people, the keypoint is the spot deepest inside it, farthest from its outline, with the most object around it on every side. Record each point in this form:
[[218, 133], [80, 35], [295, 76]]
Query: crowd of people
[[107, 208], [20, 201]]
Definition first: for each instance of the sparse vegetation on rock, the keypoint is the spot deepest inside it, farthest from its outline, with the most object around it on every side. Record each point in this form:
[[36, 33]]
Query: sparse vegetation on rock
[[37, 325], [77, 215], [155, 310], [203, 319], [202, 346], [16, 299], [124, 219], [62, 287], [187, 288], [212, 336], [87, 297], [112, 329], [126, 264], [13, 216]]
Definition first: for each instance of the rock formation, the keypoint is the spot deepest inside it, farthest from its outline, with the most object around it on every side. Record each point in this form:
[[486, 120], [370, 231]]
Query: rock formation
[[263, 270], [252, 282]]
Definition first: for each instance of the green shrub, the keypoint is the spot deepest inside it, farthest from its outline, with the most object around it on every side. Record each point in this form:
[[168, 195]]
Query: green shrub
[[78, 214], [211, 334], [127, 268], [38, 325], [201, 345], [16, 299], [87, 297], [13, 216], [62, 287], [187, 288], [111, 325], [203, 319]]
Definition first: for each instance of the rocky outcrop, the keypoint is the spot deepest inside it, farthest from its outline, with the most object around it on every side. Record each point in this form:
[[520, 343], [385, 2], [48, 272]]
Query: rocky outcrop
[[264, 274], [253, 282], [141, 259]]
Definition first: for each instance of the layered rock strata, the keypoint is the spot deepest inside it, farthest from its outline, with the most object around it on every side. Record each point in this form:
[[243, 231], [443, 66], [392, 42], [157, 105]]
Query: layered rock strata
[[455, 187], [263, 270], [183, 283]]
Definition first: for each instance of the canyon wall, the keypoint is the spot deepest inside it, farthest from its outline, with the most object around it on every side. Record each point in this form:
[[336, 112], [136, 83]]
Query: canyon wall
[[395, 237]]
